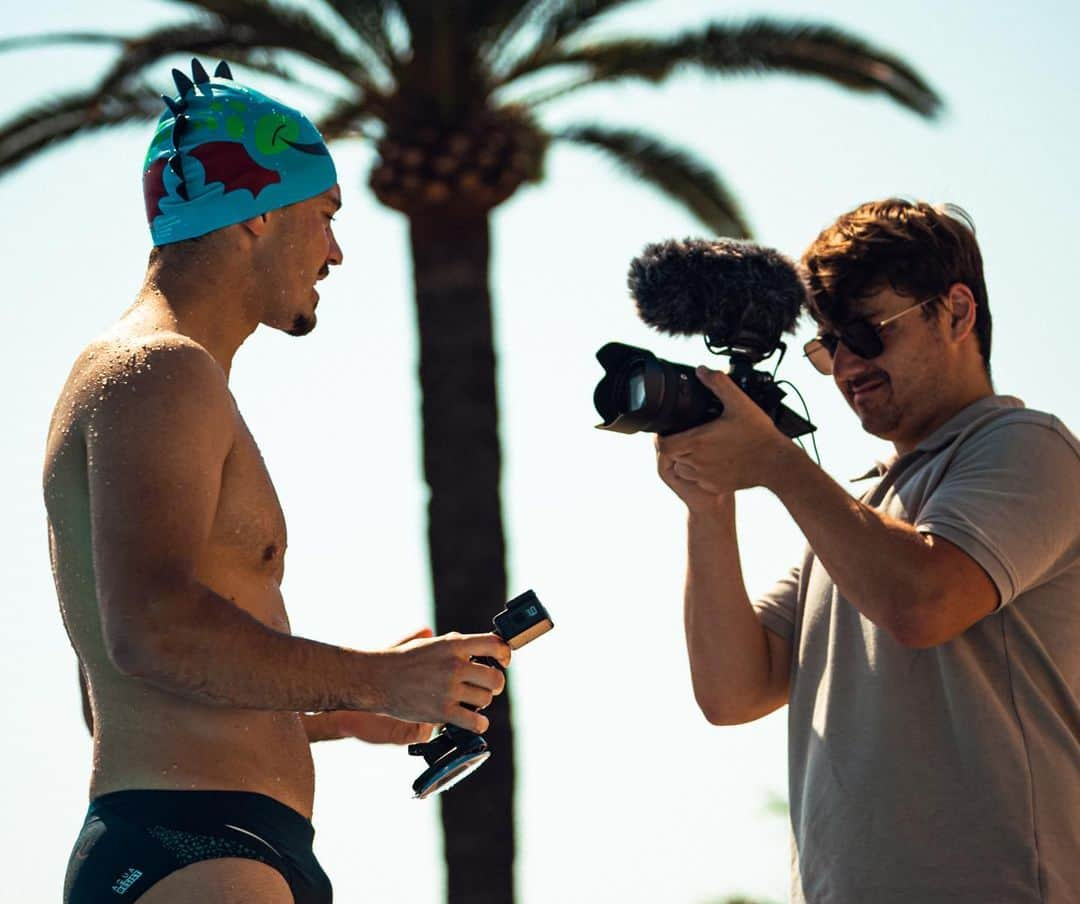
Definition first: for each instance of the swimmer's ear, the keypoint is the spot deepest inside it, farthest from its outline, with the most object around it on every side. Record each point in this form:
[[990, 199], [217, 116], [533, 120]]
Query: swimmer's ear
[[256, 225]]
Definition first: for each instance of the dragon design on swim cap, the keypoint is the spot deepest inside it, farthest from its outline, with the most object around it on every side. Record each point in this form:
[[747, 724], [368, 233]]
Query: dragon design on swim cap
[[223, 153]]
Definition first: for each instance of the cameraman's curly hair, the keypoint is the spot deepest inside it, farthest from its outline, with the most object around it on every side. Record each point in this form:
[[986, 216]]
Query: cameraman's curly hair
[[912, 247]]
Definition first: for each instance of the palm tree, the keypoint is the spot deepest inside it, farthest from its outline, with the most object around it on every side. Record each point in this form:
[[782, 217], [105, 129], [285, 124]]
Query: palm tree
[[443, 90]]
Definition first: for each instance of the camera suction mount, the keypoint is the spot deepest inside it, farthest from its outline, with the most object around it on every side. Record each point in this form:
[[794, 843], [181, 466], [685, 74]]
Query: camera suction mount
[[456, 752], [451, 755]]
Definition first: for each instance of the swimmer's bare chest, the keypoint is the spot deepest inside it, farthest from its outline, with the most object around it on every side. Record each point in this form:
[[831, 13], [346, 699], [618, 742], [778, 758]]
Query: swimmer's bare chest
[[146, 737], [244, 559]]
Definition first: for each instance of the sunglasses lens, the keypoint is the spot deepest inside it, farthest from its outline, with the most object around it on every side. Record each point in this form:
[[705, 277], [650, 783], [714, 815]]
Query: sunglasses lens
[[820, 352], [862, 339]]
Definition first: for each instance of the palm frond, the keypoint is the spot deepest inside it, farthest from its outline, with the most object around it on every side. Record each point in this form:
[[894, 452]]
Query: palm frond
[[566, 17], [762, 45], [54, 121], [26, 42], [260, 60], [346, 119], [510, 31], [487, 21], [493, 16], [674, 172], [548, 22], [210, 38], [260, 23], [458, 27], [368, 19]]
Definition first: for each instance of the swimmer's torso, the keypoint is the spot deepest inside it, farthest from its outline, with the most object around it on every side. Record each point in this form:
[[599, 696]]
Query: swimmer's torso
[[145, 737]]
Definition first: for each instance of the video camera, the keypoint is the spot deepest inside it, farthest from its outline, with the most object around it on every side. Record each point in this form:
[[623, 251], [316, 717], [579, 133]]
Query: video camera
[[740, 297]]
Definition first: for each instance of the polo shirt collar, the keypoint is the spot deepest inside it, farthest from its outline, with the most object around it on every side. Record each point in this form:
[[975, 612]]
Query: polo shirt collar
[[948, 431]]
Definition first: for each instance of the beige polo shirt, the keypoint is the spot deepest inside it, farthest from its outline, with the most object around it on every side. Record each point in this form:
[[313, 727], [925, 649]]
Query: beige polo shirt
[[949, 775]]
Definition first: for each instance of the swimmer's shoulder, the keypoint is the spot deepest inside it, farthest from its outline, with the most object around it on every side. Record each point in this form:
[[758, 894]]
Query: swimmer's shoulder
[[120, 375]]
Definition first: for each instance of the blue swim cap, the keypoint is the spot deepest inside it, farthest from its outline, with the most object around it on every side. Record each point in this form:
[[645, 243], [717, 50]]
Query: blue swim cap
[[224, 153]]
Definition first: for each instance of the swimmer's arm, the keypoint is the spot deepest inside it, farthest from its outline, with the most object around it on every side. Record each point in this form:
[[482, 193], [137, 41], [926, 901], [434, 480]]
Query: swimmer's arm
[[87, 712], [374, 728], [157, 441], [371, 727]]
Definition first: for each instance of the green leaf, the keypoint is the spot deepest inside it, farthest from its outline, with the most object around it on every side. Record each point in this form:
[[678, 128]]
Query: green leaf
[[674, 172]]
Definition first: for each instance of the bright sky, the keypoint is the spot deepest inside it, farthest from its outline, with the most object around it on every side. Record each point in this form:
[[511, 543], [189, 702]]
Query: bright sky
[[626, 793]]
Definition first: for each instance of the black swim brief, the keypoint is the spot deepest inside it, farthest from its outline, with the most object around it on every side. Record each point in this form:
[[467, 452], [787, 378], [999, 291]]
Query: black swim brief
[[132, 839]]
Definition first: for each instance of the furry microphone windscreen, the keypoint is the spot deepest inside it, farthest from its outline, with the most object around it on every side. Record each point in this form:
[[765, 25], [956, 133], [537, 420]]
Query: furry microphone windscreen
[[719, 287]]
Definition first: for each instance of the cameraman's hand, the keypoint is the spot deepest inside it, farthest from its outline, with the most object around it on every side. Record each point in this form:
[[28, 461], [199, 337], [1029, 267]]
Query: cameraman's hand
[[426, 679], [697, 498], [742, 448]]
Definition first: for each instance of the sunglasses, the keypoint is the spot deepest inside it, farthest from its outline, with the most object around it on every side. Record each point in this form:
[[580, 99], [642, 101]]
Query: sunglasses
[[861, 336]]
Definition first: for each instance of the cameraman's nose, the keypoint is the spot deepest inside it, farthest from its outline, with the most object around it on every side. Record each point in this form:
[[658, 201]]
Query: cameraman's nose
[[843, 360], [845, 364]]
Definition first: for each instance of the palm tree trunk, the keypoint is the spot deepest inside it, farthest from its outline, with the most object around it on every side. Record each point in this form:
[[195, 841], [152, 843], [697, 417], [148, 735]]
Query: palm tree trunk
[[462, 463]]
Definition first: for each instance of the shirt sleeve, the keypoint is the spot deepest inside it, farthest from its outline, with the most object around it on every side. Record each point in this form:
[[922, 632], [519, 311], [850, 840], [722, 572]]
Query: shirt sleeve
[[1010, 499], [776, 608]]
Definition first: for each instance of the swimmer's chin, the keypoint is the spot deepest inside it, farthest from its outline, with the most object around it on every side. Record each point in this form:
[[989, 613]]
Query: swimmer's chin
[[302, 324]]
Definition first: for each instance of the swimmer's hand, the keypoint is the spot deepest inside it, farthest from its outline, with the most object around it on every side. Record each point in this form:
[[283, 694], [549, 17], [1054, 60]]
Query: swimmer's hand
[[426, 679], [374, 728]]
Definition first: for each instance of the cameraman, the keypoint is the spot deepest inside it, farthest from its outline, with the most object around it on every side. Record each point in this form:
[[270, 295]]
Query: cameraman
[[928, 644]]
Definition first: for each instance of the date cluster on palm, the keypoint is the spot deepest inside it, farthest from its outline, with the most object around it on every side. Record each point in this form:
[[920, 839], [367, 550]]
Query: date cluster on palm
[[472, 166]]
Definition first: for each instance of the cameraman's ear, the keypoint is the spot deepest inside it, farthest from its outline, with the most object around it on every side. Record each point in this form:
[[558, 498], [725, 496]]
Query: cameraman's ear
[[961, 307]]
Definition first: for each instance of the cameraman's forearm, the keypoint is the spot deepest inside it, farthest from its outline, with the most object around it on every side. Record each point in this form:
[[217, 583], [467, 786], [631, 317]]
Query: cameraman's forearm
[[192, 642], [884, 567], [726, 644]]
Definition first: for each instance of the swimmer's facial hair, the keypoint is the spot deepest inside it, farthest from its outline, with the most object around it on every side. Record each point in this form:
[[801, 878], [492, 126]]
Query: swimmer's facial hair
[[302, 325]]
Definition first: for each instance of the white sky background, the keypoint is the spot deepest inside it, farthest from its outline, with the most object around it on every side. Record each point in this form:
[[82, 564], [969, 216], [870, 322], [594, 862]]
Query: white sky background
[[625, 792]]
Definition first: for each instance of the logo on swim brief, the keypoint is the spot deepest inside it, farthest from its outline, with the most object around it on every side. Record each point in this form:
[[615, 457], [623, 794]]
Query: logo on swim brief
[[129, 878]]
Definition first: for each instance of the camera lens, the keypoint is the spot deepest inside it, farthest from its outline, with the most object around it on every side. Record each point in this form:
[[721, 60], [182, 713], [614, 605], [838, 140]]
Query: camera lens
[[635, 389], [642, 392]]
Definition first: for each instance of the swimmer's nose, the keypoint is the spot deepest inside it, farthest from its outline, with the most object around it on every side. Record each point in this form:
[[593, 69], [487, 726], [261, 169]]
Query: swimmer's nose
[[336, 256]]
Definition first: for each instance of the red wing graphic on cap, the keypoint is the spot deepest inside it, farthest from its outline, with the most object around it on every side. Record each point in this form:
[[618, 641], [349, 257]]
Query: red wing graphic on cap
[[153, 188], [229, 163]]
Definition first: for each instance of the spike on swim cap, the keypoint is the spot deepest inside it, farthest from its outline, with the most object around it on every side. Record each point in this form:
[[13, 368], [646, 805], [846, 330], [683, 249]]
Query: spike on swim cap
[[224, 153]]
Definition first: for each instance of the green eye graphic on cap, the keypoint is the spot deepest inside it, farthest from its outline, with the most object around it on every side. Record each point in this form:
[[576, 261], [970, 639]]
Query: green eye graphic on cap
[[276, 133]]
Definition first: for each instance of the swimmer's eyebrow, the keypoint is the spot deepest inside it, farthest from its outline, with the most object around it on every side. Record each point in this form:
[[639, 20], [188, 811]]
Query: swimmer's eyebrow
[[335, 201]]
